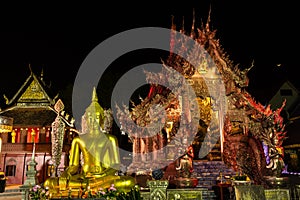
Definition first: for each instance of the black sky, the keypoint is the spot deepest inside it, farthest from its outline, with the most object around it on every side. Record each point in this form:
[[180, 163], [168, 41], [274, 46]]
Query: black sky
[[57, 39]]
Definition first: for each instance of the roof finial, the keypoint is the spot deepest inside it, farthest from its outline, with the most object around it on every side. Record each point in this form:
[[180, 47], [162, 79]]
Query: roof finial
[[94, 96], [208, 19], [42, 74], [182, 29], [172, 36], [193, 25], [193, 34], [173, 27], [6, 99], [29, 66]]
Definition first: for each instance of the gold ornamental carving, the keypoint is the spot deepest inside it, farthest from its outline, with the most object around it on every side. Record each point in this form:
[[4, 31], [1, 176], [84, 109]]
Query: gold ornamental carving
[[33, 92]]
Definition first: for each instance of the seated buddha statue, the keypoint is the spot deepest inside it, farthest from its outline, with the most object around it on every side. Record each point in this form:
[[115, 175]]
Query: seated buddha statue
[[94, 157]]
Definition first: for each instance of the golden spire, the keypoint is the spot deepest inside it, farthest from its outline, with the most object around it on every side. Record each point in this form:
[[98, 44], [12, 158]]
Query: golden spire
[[6, 99], [29, 66], [94, 95], [42, 74], [193, 25], [208, 20], [183, 24], [193, 34], [95, 109], [173, 26]]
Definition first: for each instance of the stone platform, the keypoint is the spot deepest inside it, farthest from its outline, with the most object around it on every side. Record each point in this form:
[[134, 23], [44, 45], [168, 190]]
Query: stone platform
[[12, 192]]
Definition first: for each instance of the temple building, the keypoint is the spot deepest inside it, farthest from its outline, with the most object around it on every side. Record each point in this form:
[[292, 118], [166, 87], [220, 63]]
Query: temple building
[[234, 133], [32, 110], [197, 125]]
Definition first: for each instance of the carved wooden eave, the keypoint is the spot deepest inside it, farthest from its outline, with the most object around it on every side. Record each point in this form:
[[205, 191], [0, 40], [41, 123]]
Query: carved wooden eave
[[33, 92], [30, 116]]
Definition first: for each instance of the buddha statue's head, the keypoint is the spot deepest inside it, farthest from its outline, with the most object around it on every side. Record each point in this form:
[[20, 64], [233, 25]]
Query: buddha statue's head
[[93, 118]]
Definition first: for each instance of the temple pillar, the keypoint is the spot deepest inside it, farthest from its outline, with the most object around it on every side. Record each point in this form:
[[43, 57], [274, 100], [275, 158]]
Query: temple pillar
[[147, 149], [142, 149], [42, 135], [161, 146], [4, 137], [23, 136], [134, 147], [155, 148], [138, 148]]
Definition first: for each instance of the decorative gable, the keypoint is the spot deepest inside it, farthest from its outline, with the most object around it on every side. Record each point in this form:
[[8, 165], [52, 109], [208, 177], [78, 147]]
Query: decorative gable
[[32, 93], [32, 105]]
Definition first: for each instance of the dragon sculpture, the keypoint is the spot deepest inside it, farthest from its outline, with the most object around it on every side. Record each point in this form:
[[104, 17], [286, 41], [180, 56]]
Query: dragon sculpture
[[253, 133]]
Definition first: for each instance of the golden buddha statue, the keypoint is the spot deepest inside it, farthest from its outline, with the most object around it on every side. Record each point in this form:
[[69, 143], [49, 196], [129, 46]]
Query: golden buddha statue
[[94, 158]]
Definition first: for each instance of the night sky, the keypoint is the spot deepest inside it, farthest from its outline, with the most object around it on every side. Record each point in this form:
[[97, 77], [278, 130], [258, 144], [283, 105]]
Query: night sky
[[57, 39]]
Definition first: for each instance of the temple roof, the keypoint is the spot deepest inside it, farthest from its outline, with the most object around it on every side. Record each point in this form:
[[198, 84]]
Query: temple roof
[[34, 91], [34, 104]]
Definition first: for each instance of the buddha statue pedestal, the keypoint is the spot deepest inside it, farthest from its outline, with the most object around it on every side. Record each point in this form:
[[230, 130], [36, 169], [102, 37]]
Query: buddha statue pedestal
[[278, 182], [158, 189]]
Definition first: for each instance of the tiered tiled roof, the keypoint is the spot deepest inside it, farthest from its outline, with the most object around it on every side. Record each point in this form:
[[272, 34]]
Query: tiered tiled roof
[[33, 104]]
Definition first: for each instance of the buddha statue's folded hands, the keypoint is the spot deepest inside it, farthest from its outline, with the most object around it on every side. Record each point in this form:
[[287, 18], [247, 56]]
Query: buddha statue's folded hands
[[70, 171]]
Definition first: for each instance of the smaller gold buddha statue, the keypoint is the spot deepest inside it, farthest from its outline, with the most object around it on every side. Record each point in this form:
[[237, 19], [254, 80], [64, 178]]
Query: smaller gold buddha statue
[[94, 158]]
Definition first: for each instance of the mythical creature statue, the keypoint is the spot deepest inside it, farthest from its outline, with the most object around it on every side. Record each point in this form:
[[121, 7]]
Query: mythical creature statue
[[244, 149], [94, 158]]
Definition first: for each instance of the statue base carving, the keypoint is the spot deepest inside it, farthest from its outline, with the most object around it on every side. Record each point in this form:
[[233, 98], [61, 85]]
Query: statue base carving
[[158, 189], [277, 182], [76, 189]]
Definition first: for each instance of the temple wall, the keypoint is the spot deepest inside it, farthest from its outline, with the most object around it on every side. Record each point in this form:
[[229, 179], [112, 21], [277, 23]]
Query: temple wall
[[21, 159]]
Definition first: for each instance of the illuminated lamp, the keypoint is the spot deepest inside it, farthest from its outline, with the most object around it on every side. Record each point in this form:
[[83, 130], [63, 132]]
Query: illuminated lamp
[[6, 124]]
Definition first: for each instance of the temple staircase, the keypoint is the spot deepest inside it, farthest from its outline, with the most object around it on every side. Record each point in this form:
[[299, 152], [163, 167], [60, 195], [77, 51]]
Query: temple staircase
[[208, 172]]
